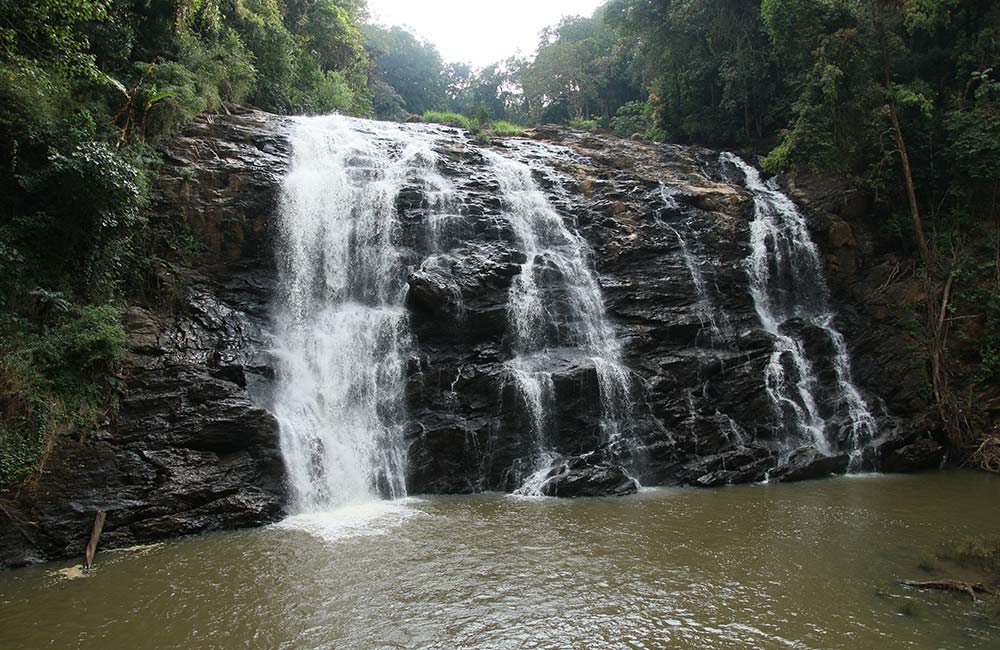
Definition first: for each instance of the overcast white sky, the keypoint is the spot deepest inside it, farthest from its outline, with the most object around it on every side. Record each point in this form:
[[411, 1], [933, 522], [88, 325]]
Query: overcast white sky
[[477, 31]]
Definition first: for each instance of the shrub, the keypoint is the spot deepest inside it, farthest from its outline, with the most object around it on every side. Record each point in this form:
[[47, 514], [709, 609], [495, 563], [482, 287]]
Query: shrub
[[502, 128], [450, 119], [87, 206], [88, 344], [54, 378], [329, 92], [633, 117], [25, 414], [584, 125]]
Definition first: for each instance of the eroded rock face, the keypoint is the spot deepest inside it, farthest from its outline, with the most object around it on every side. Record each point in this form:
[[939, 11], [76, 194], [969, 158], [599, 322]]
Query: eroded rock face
[[191, 449], [195, 449]]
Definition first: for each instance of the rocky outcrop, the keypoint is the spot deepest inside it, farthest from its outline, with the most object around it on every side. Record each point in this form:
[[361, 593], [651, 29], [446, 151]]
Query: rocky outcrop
[[808, 463], [191, 449], [702, 414], [588, 475]]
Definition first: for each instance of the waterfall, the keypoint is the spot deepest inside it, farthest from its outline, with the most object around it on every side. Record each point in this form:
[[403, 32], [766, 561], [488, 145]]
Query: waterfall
[[340, 326], [787, 284], [555, 308], [705, 307]]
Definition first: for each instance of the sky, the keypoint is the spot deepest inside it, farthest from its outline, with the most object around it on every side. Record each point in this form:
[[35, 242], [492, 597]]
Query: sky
[[478, 31]]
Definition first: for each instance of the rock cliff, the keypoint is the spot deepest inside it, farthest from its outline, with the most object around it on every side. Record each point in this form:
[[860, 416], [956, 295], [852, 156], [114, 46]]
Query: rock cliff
[[194, 447]]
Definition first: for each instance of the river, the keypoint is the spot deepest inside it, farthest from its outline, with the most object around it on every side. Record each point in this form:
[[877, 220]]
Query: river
[[811, 565]]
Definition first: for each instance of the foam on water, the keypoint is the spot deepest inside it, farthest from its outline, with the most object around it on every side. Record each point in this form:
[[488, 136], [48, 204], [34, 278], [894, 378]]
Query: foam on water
[[356, 520]]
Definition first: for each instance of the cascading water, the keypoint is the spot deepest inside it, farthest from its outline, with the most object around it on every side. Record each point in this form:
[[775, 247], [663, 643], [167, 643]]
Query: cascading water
[[340, 325], [555, 308], [716, 325], [786, 283], [343, 333]]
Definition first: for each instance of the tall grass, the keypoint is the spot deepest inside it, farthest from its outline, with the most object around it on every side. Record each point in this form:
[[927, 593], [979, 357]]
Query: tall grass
[[483, 129], [451, 119], [502, 128]]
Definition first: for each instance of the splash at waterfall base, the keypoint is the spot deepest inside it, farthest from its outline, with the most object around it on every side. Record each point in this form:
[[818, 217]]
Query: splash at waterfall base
[[196, 446]]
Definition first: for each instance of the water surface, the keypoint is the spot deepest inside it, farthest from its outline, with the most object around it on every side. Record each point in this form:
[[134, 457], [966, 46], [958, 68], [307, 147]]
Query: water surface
[[810, 565]]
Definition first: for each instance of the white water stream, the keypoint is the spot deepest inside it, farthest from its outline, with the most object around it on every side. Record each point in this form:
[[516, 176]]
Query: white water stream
[[340, 325], [786, 283], [342, 332], [556, 310], [713, 320]]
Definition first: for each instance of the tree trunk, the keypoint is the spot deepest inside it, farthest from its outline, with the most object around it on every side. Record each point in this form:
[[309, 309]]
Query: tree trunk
[[911, 192]]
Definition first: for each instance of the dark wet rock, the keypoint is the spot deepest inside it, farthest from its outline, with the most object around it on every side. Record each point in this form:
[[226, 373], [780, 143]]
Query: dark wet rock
[[219, 182], [190, 450], [915, 457], [699, 392], [808, 463], [589, 475], [740, 465]]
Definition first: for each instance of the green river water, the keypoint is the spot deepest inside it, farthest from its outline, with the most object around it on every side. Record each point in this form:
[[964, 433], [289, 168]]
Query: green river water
[[809, 565]]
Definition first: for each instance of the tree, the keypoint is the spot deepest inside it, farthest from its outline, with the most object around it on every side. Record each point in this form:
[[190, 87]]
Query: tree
[[580, 65], [410, 66]]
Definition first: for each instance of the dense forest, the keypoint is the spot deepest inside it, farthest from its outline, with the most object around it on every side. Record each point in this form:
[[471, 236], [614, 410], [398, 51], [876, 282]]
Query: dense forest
[[898, 97]]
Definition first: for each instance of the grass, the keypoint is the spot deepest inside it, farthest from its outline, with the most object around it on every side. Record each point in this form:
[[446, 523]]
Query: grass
[[451, 119], [979, 553], [483, 130], [584, 125], [505, 129]]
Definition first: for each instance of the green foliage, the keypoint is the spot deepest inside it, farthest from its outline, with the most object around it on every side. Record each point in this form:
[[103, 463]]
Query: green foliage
[[205, 75], [451, 119], [54, 377], [85, 205], [974, 134], [496, 88], [332, 92], [584, 125], [504, 129], [88, 88], [633, 117], [91, 343], [413, 68], [581, 72], [481, 126], [707, 65], [780, 158], [50, 29]]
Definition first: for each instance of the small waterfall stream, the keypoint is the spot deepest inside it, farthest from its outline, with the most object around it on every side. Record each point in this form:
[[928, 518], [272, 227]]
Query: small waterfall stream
[[713, 320], [556, 310], [789, 290], [340, 324]]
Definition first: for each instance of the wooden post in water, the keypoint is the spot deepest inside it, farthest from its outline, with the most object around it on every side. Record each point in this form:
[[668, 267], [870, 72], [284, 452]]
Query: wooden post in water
[[95, 535]]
